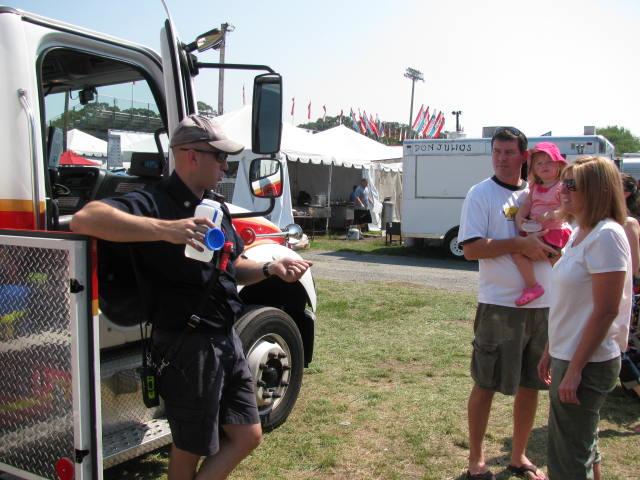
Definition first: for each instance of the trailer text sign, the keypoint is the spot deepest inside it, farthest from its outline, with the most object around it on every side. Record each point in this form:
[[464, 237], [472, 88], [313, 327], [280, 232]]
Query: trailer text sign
[[454, 147]]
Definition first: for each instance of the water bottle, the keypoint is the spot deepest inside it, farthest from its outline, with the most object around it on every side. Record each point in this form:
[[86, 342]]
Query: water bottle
[[214, 238]]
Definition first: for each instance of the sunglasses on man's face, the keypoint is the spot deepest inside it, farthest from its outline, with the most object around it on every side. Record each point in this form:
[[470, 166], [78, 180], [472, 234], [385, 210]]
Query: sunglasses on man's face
[[570, 184], [221, 157]]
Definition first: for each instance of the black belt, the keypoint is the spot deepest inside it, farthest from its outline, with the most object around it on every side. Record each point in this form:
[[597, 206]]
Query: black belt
[[195, 324]]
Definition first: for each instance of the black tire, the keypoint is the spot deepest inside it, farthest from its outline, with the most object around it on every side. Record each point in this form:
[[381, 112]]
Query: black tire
[[450, 244], [274, 350]]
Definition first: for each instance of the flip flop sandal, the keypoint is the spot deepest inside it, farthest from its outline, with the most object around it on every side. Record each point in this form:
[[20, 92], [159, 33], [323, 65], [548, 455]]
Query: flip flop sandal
[[523, 470], [529, 295], [488, 475]]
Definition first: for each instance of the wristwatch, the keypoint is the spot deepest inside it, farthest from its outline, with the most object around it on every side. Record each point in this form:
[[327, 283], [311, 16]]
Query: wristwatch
[[265, 270]]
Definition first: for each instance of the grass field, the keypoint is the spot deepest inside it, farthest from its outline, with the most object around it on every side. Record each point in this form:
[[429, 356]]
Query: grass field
[[385, 397], [370, 244]]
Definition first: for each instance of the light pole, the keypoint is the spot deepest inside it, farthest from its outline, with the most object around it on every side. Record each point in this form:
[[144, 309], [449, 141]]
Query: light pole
[[224, 28], [457, 113], [413, 75]]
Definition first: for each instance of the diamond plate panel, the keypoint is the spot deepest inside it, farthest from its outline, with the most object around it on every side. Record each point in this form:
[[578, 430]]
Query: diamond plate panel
[[129, 429], [36, 409]]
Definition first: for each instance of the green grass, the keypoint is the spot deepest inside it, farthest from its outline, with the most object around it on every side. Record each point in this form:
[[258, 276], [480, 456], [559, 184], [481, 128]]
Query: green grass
[[370, 244], [385, 397]]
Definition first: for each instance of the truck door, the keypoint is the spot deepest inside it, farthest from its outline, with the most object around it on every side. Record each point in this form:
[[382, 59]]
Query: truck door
[[177, 80], [48, 396]]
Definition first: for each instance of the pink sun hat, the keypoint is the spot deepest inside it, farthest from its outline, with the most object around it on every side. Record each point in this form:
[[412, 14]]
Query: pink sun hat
[[550, 149]]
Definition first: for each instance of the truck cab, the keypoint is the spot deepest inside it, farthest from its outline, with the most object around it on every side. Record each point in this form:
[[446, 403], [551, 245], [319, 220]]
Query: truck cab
[[70, 315]]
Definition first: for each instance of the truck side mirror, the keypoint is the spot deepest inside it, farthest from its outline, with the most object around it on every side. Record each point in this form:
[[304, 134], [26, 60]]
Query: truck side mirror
[[211, 39], [265, 177], [266, 121]]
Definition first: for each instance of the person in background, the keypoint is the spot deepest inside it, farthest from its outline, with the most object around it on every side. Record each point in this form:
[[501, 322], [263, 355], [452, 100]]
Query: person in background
[[631, 225], [630, 371], [352, 195], [541, 211], [508, 341], [362, 204], [589, 316], [204, 379]]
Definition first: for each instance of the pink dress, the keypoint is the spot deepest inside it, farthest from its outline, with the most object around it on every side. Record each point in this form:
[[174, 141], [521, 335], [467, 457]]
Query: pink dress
[[547, 200]]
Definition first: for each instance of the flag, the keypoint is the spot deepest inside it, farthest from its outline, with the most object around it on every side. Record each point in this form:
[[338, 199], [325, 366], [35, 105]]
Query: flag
[[428, 127], [439, 127], [243, 102], [293, 105], [374, 127], [362, 122], [423, 125], [417, 119], [324, 115], [365, 120], [309, 111], [354, 121], [422, 122]]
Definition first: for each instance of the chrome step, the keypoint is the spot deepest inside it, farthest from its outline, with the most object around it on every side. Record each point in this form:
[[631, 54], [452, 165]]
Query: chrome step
[[134, 440]]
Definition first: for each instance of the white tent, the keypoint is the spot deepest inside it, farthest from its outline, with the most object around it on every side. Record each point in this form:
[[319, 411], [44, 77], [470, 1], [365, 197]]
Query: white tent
[[381, 164], [85, 144], [347, 145], [327, 164], [139, 141]]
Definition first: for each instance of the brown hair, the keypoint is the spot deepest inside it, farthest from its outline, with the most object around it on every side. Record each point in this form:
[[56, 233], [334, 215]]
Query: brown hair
[[630, 186], [598, 179], [505, 134]]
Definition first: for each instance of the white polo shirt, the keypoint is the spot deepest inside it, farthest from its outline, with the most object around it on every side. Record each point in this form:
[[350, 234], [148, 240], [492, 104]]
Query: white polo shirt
[[489, 211]]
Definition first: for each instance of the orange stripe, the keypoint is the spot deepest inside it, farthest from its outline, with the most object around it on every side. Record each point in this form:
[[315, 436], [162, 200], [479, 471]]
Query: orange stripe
[[14, 205]]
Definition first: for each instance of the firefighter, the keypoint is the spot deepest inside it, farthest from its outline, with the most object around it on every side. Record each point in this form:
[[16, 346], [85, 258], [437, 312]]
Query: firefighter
[[203, 376]]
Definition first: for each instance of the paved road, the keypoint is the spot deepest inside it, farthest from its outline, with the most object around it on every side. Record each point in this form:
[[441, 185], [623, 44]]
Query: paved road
[[433, 272]]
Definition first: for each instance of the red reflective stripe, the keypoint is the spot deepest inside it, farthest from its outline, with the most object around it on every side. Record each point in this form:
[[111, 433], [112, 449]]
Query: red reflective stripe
[[16, 220], [94, 276]]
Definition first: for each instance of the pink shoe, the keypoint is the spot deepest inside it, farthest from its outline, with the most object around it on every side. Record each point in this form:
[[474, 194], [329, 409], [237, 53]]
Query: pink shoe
[[530, 294]]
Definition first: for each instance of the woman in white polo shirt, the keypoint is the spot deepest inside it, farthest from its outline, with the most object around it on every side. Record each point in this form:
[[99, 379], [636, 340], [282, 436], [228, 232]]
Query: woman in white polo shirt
[[589, 316]]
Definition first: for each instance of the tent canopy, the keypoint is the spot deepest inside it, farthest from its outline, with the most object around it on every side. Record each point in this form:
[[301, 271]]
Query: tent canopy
[[328, 163], [72, 158], [348, 146], [85, 144]]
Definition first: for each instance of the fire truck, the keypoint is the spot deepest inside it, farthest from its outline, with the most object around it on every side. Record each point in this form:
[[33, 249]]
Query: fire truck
[[70, 312]]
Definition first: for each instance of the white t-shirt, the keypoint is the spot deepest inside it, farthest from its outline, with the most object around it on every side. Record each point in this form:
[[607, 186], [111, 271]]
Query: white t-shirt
[[489, 211], [604, 249]]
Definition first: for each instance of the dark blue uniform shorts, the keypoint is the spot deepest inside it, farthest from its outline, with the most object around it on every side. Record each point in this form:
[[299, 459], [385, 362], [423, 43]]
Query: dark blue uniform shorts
[[206, 385]]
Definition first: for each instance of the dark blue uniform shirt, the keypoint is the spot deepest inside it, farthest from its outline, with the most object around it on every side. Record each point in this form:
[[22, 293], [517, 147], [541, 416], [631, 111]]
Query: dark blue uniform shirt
[[176, 284]]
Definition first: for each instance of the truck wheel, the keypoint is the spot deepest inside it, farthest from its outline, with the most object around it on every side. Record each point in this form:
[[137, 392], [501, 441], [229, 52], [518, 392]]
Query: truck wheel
[[275, 353], [451, 245]]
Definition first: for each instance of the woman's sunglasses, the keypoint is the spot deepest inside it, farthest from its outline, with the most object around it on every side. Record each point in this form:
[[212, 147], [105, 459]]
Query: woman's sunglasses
[[570, 184]]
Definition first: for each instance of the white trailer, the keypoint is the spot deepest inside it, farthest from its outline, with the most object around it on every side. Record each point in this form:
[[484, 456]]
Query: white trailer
[[630, 163], [437, 175]]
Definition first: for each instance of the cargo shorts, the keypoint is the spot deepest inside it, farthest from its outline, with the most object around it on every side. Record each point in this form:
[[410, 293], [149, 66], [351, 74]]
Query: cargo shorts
[[507, 347], [206, 385]]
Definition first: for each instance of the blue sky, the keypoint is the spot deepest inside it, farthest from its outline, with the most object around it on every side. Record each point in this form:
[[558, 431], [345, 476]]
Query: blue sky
[[537, 64]]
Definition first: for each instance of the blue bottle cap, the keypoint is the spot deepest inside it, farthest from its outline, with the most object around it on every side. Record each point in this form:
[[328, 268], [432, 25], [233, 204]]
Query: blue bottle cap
[[214, 239]]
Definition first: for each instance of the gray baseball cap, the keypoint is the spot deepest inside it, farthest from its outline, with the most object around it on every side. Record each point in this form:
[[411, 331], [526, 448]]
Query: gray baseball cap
[[196, 128]]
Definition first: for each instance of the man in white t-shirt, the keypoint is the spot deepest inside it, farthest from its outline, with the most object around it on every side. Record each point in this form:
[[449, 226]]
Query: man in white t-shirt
[[508, 341]]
